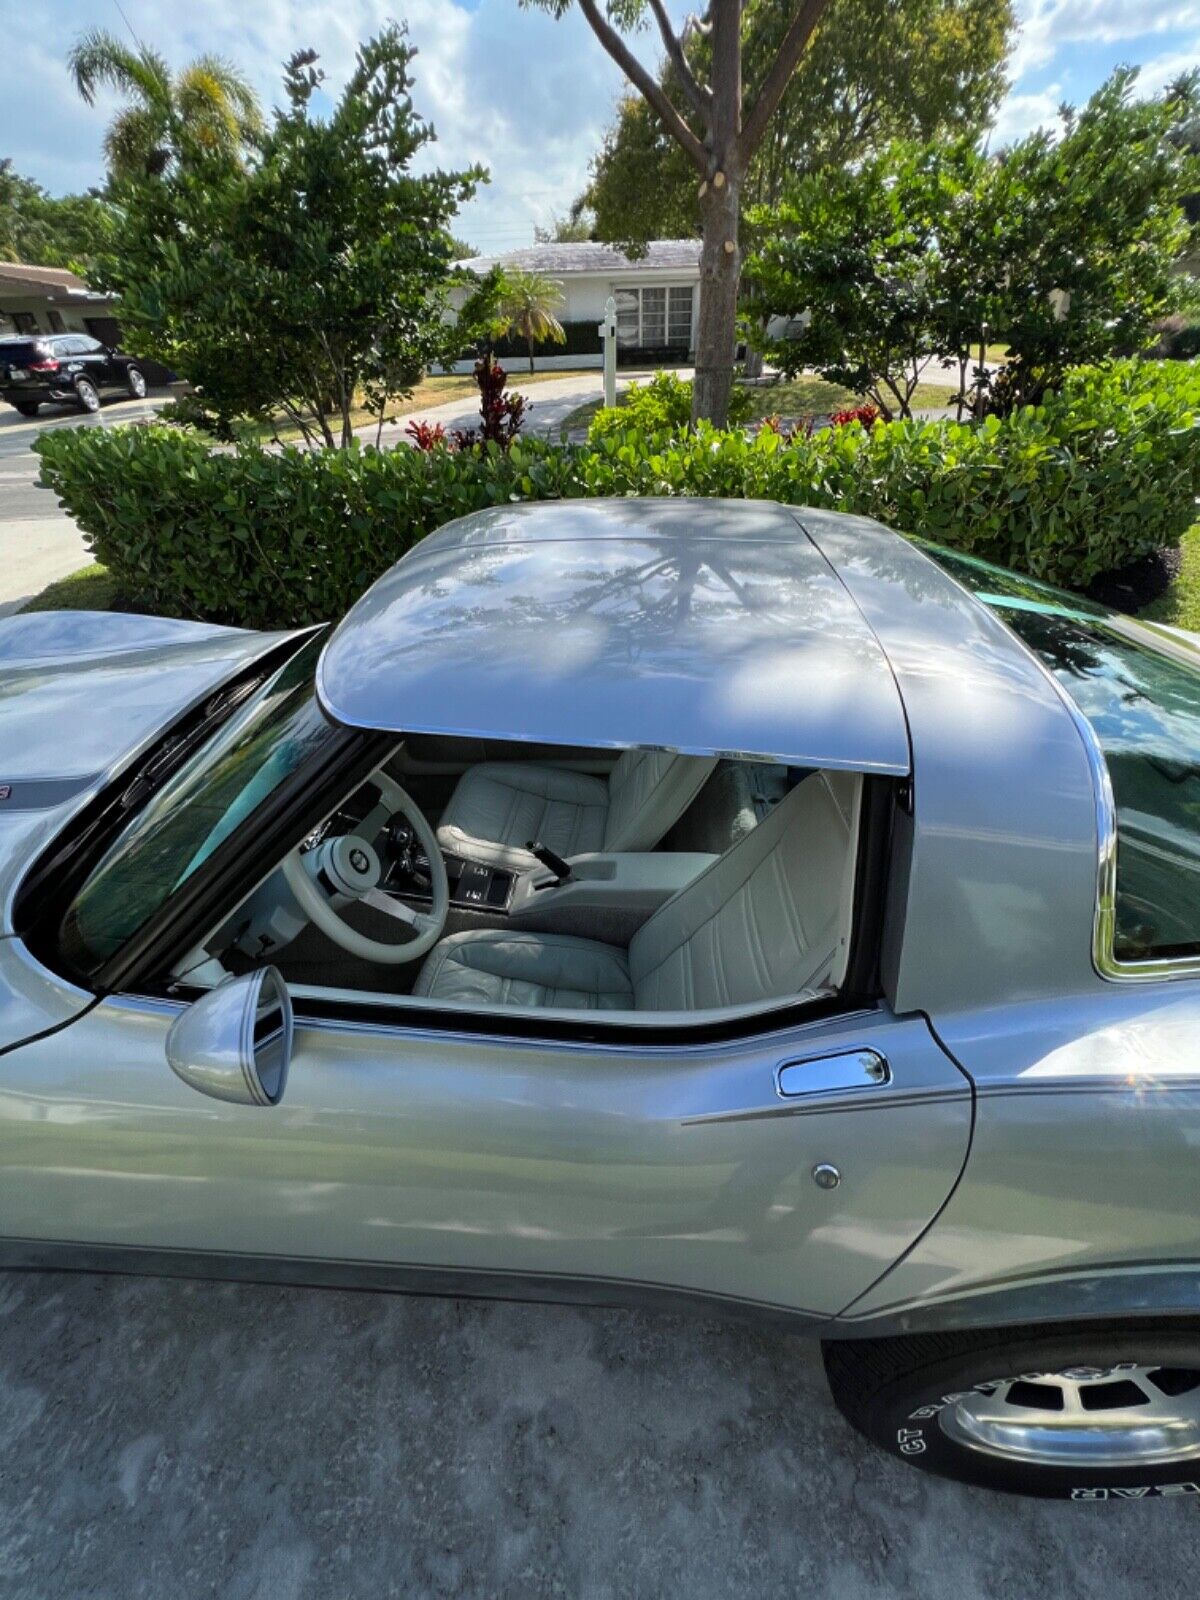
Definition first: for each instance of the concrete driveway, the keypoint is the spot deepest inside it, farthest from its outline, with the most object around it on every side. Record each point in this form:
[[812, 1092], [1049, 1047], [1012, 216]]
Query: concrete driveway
[[185, 1440], [38, 543]]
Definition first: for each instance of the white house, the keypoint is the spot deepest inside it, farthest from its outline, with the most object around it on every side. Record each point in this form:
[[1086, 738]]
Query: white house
[[657, 298], [52, 300]]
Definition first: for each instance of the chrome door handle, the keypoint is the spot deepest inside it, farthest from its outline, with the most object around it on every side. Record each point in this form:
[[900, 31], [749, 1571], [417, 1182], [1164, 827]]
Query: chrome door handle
[[849, 1069]]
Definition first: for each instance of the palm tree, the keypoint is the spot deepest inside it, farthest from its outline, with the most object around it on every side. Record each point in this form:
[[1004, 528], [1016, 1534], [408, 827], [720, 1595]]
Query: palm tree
[[528, 302], [208, 103]]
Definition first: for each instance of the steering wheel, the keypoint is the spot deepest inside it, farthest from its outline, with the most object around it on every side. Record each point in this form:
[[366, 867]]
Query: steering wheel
[[351, 864]]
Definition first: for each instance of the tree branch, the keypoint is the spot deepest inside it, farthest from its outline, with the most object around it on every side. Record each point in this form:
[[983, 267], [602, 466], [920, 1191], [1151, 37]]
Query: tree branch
[[778, 78], [645, 82], [699, 98]]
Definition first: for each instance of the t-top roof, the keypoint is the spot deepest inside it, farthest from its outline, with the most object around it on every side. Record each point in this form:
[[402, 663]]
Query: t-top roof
[[710, 627]]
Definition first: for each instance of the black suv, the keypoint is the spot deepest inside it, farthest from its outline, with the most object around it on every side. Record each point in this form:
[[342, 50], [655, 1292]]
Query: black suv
[[64, 366]]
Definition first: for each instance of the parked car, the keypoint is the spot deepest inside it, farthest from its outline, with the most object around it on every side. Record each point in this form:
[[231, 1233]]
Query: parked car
[[64, 366], [684, 902]]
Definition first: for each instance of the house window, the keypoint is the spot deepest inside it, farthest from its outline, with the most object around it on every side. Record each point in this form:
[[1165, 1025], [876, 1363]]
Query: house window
[[654, 318], [24, 322], [57, 325]]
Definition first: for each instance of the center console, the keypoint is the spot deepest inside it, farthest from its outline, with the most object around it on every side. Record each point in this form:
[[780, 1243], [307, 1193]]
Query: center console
[[606, 896]]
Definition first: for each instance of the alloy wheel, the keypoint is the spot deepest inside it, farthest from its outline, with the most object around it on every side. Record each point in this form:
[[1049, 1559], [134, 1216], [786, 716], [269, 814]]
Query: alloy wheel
[[1117, 1416]]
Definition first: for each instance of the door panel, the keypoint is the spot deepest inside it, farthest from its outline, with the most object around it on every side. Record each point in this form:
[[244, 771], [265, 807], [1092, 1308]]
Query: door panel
[[677, 1168]]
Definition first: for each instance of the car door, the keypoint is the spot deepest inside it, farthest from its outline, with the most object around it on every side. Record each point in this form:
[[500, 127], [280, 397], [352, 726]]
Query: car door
[[785, 1169], [97, 363]]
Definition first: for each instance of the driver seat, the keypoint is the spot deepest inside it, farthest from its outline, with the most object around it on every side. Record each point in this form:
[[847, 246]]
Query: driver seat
[[770, 918]]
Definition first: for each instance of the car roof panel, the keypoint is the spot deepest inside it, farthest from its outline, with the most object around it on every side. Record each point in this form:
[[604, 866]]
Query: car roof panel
[[706, 627]]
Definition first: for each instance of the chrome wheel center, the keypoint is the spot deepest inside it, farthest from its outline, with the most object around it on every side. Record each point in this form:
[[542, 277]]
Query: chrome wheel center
[[1083, 1416]]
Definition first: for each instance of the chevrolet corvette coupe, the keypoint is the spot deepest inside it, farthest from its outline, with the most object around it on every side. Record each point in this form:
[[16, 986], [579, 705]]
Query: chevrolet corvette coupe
[[667, 901]]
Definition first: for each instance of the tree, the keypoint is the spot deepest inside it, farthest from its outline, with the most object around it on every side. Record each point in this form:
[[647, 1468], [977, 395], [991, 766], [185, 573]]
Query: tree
[[719, 132], [49, 232], [862, 265], [874, 71], [1065, 246], [206, 107], [577, 228], [528, 303], [320, 269]]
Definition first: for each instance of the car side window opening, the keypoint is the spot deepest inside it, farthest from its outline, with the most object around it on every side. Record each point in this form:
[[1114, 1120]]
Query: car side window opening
[[641, 882], [731, 887], [1139, 689]]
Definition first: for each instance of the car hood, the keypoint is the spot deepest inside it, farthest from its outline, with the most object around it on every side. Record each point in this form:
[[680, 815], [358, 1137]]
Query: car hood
[[81, 695]]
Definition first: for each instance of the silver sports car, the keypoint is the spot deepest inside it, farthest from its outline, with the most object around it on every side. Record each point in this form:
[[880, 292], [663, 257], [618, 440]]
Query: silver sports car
[[678, 901]]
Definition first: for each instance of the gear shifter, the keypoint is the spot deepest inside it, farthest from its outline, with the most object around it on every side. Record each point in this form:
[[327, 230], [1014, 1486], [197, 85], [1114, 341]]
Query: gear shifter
[[550, 858]]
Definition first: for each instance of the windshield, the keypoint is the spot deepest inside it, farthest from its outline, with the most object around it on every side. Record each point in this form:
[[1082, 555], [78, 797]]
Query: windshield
[[265, 740], [1139, 688]]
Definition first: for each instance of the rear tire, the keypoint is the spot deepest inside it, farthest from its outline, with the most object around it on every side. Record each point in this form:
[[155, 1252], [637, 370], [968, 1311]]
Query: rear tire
[[28, 408], [135, 383], [1089, 1411], [87, 395]]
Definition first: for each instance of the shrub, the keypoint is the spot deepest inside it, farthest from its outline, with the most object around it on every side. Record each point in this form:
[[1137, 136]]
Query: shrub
[[665, 403], [1093, 478]]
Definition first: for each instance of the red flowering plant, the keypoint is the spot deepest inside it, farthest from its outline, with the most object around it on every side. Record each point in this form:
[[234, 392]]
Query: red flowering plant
[[866, 415]]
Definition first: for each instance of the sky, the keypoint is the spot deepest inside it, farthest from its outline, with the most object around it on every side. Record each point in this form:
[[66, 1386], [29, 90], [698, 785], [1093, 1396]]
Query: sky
[[526, 96]]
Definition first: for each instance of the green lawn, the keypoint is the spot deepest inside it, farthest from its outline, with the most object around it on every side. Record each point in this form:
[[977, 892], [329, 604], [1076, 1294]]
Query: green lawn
[[89, 589], [1180, 605], [808, 395]]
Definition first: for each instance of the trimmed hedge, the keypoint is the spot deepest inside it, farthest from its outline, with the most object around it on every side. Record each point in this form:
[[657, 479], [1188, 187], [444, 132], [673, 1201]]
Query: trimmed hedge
[[1097, 476]]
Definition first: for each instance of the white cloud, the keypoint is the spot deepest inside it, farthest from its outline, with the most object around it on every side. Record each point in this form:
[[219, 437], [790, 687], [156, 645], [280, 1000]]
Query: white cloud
[[524, 95], [1022, 113], [1047, 25]]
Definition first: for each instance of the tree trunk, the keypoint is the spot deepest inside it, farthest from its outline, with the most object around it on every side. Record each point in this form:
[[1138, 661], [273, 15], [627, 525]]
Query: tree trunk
[[531, 355], [720, 270]]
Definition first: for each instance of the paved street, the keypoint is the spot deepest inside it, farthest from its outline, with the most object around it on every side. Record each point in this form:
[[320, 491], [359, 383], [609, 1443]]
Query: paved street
[[38, 544]]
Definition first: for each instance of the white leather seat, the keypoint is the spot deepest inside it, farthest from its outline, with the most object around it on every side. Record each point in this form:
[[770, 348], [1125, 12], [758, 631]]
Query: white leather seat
[[770, 918], [499, 806]]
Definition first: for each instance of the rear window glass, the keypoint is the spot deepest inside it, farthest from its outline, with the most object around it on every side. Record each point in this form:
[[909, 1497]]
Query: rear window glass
[[18, 352], [1139, 688]]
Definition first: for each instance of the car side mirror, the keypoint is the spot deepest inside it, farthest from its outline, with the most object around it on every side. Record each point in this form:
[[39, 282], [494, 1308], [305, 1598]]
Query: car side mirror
[[235, 1042]]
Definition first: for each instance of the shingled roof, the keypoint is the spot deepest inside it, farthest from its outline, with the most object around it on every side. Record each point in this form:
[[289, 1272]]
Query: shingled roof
[[557, 260]]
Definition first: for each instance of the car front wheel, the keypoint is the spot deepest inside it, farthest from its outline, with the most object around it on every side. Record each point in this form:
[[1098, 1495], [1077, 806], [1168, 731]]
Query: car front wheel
[[135, 383], [1100, 1412], [87, 394]]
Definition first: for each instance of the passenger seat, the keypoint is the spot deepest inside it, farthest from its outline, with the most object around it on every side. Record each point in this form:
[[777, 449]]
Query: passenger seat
[[500, 806]]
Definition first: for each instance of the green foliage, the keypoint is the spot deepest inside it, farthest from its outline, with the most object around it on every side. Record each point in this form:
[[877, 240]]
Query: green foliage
[[320, 267], [47, 232], [664, 405], [855, 259], [875, 70], [1068, 245], [1093, 478]]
